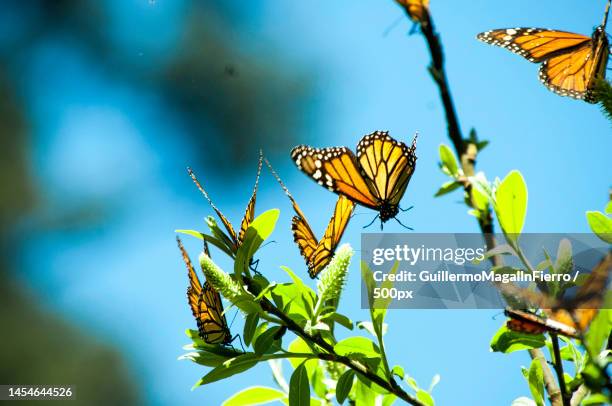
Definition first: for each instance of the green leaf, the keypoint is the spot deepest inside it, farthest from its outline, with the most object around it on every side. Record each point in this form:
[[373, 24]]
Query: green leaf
[[210, 239], [357, 345], [412, 383], [340, 319], [398, 371], [255, 395], [608, 209], [317, 377], [447, 187], [228, 368], [600, 224], [389, 399], [507, 341], [250, 325], [595, 399], [536, 382], [599, 331], [290, 298], [369, 327], [448, 161], [564, 262], [207, 359], [259, 230], [299, 388], [307, 295], [364, 394], [511, 204], [300, 346], [425, 397], [266, 342]]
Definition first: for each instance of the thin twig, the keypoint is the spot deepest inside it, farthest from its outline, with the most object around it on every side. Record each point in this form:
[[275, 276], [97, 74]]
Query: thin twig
[[558, 366]]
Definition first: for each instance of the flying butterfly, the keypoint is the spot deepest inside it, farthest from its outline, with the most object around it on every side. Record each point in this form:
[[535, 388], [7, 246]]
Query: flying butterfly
[[234, 240], [377, 177], [569, 317], [571, 64], [417, 10], [206, 305], [317, 253]]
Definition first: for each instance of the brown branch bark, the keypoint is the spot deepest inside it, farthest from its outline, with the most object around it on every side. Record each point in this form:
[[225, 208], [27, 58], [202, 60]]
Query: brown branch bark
[[467, 152]]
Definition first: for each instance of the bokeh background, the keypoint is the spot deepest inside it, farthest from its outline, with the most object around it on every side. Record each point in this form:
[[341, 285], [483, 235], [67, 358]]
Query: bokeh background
[[104, 104]]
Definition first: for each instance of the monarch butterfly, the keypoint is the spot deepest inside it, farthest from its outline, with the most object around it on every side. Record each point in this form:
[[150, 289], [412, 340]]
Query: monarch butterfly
[[417, 10], [570, 317], [206, 305], [376, 178], [317, 254], [235, 240], [571, 63]]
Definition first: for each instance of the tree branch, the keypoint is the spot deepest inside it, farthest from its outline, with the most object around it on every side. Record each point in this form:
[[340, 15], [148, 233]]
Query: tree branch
[[467, 152], [330, 354]]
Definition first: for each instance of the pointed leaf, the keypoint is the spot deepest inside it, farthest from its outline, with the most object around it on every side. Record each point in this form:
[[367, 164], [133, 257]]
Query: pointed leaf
[[299, 388], [344, 385], [255, 395], [511, 204]]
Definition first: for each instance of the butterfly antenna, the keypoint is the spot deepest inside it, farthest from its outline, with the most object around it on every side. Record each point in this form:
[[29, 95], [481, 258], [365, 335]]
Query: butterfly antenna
[[278, 179], [606, 12], [201, 189], [400, 223], [233, 319], [405, 210], [392, 26], [414, 141], [372, 222], [259, 165]]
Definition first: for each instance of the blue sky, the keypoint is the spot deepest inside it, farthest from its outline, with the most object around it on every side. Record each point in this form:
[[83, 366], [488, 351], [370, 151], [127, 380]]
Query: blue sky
[[97, 136]]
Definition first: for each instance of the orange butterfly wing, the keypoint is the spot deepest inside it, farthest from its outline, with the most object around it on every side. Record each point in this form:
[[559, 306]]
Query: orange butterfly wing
[[337, 169], [571, 62], [205, 303], [317, 254], [388, 164], [534, 44], [325, 249]]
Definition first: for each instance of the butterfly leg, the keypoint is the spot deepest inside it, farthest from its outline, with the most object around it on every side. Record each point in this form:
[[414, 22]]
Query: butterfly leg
[[372, 222], [405, 210], [253, 266], [237, 336], [400, 223]]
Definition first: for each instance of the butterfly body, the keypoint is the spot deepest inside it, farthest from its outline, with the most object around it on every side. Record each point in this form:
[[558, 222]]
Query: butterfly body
[[571, 63], [376, 177]]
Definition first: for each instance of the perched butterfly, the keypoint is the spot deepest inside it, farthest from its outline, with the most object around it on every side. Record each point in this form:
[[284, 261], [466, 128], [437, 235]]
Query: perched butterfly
[[417, 10], [235, 240], [206, 305], [376, 178], [571, 63], [570, 317], [317, 253]]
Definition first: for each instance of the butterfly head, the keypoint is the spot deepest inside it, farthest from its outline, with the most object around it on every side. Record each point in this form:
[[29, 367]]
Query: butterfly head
[[387, 211]]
